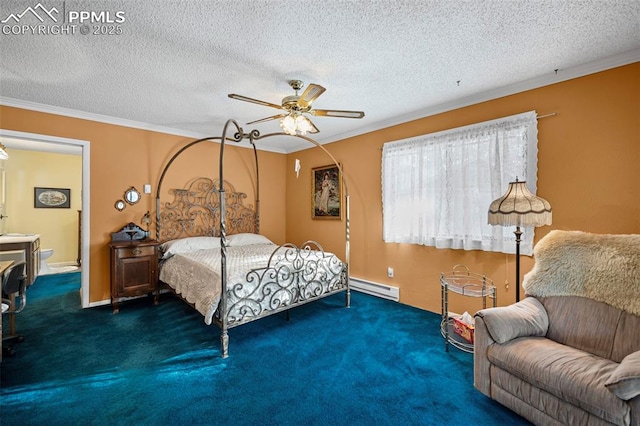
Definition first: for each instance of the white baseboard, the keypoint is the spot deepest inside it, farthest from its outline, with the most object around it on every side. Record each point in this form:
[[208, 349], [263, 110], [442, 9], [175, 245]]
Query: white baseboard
[[59, 264]]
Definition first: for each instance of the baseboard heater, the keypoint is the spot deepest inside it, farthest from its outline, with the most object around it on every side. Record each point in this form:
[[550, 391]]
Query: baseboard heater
[[375, 289]]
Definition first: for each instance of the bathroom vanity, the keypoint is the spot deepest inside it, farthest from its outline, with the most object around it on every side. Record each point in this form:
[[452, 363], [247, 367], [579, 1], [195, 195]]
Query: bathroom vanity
[[25, 247]]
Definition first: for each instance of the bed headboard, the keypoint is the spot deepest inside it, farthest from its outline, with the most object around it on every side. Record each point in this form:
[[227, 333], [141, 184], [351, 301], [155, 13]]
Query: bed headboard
[[195, 211]]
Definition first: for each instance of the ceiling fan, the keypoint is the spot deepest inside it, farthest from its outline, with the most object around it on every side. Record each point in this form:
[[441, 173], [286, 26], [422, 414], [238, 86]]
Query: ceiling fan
[[294, 107]]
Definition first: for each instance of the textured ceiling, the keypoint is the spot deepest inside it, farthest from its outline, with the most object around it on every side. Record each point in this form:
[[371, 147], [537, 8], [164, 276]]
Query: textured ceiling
[[174, 62]]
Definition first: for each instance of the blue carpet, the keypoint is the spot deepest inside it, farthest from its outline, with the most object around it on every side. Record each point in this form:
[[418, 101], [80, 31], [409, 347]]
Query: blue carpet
[[378, 362]]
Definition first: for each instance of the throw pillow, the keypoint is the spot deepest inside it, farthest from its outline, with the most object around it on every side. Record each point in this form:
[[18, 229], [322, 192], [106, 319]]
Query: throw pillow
[[624, 381], [525, 318]]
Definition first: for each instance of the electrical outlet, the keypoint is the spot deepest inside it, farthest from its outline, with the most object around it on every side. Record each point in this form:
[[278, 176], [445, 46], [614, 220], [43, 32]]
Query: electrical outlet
[[390, 272]]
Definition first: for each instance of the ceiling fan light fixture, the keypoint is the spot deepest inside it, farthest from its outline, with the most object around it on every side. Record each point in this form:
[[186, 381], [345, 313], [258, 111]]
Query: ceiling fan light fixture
[[294, 124], [303, 125], [288, 125]]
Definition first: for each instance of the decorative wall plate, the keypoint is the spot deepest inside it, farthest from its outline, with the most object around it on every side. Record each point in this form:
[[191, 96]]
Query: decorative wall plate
[[52, 198]]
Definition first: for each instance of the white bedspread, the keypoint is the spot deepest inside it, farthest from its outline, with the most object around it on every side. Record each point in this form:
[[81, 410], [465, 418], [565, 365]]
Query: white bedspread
[[195, 276]]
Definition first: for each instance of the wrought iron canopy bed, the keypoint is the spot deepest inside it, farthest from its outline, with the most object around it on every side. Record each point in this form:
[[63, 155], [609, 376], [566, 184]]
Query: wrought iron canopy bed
[[213, 257]]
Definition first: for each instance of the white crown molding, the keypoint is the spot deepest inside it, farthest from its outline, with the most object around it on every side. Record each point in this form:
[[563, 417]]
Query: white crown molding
[[582, 70], [67, 112]]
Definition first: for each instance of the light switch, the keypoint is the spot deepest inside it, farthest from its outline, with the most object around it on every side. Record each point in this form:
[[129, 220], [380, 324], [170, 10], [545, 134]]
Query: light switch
[[147, 188]]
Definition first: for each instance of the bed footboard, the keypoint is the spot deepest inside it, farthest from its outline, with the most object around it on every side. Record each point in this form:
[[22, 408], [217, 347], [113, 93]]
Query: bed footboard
[[293, 276]]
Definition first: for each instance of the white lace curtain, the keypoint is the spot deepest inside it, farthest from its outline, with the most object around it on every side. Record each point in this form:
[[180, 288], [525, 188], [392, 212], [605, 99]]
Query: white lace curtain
[[436, 188]]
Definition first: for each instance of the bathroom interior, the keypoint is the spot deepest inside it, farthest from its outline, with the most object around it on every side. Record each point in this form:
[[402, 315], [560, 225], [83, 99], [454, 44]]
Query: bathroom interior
[[40, 206]]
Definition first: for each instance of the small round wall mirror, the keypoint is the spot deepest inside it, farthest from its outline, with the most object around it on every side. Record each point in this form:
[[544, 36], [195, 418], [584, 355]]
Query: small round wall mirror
[[119, 205], [132, 196]]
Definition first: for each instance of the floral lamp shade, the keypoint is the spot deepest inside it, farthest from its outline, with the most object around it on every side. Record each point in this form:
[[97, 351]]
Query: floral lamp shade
[[519, 207]]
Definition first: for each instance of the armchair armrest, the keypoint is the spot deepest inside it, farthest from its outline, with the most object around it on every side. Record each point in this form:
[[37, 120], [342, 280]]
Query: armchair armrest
[[481, 365], [525, 318], [499, 325]]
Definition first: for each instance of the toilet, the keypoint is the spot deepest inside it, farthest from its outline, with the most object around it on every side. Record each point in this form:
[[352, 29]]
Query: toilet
[[44, 266]]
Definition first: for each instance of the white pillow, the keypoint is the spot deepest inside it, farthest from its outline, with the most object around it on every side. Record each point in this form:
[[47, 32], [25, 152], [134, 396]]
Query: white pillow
[[246, 239], [184, 245]]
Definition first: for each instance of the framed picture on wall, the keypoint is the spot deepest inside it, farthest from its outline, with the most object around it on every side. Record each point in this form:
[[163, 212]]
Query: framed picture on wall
[[51, 198], [326, 192]]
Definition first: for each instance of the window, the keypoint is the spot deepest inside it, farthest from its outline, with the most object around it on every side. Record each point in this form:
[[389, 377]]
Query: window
[[436, 188]]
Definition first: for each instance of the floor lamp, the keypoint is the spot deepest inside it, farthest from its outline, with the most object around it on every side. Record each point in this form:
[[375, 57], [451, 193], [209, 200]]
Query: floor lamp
[[519, 207]]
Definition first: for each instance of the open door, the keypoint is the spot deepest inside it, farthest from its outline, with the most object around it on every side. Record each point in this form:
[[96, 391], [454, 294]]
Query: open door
[[48, 143]]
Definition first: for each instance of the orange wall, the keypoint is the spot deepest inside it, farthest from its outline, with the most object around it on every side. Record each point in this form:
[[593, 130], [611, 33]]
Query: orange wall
[[587, 169], [122, 157]]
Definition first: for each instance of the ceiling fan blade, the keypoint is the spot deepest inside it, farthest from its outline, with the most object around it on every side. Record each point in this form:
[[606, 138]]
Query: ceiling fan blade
[[336, 113], [311, 93], [273, 117], [253, 101]]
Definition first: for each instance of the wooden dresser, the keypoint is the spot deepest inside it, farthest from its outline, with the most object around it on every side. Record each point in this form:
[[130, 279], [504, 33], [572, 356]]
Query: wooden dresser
[[134, 269]]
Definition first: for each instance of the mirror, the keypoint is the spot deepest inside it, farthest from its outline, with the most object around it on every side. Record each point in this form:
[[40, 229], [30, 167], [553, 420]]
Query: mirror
[[132, 196], [119, 205]]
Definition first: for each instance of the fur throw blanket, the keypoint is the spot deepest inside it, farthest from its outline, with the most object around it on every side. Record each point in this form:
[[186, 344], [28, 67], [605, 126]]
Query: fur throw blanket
[[603, 267]]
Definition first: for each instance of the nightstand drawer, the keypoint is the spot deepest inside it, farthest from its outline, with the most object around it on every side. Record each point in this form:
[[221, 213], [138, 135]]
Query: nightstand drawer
[[135, 251]]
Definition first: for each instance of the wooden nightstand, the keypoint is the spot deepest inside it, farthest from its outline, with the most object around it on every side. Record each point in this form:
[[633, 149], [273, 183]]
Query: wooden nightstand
[[134, 270]]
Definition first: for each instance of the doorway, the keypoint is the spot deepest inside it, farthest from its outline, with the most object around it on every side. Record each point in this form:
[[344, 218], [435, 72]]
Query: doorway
[[37, 142]]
